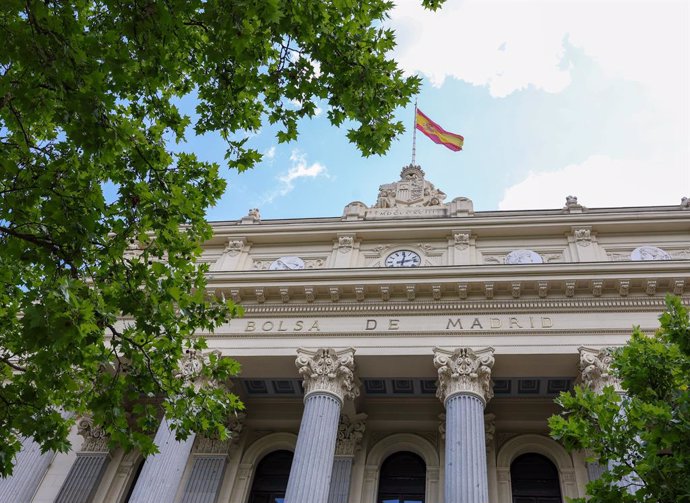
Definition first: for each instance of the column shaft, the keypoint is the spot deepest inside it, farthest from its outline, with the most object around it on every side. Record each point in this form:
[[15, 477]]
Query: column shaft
[[161, 474], [465, 478], [310, 475], [29, 469], [340, 479]]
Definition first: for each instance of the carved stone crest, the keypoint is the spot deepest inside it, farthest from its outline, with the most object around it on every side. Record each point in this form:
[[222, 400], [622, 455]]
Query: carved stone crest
[[464, 371], [346, 243], [328, 371], [234, 247], [412, 190]]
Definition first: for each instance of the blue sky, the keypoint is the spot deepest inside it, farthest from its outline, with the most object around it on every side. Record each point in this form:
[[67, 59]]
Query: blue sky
[[553, 98]]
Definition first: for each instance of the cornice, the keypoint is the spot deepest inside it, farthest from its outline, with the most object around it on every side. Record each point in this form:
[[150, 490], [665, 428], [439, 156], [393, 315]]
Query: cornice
[[460, 307], [511, 284], [504, 223]]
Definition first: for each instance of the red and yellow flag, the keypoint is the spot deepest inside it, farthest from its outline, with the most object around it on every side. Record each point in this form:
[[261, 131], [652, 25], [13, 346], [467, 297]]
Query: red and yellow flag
[[437, 133]]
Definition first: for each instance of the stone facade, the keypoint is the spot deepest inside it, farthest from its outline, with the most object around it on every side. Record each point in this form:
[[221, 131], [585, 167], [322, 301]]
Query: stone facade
[[360, 331]]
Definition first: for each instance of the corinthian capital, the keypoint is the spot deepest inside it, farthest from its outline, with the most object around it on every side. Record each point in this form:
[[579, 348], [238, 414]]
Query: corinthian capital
[[95, 439], [595, 367], [328, 371], [350, 434], [464, 371]]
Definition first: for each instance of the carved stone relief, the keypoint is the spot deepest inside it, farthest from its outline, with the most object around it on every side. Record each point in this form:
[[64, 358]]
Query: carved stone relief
[[464, 371], [95, 439], [328, 371]]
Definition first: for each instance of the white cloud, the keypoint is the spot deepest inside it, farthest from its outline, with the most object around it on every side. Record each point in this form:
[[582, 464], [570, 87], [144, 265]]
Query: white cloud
[[509, 45], [300, 169], [601, 181], [270, 153]]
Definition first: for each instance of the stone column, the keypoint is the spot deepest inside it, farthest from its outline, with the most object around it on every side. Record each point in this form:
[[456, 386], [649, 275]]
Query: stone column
[[29, 468], [328, 380], [161, 474], [464, 387], [350, 433], [595, 373], [92, 460]]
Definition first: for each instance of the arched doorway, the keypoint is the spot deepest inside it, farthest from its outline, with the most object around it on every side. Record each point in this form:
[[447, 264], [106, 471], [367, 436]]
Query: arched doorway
[[534, 479], [402, 479], [271, 478]]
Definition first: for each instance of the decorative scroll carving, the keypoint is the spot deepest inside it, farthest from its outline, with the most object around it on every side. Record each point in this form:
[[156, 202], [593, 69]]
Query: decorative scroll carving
[[543, 288], [583, 236], [464, 371], [328, 371], [335, 293], [436, 292], [651, 287], [678, 287], [350, 434], [597, 287], [489, 290], [260, 296], [595, 366], [462, 240], [264, 265], [623, 287], [359, 293], [235, 295], [515, 290], [385, 293], [569, 288], [411, 292], [462, 290], [285, 295], [95, 438], [309, 294], [346, 243], [234, 247]]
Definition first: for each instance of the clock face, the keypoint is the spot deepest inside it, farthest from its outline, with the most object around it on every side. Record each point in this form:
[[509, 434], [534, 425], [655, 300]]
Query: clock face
[[287, 263], [403, 258]]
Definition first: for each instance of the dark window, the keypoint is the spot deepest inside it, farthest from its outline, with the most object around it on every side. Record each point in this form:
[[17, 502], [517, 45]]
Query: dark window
[[271, 478], [534, 479], [403, 479]]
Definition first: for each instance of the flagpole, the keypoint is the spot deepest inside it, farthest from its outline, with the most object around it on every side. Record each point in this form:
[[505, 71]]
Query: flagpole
[[414, 134]]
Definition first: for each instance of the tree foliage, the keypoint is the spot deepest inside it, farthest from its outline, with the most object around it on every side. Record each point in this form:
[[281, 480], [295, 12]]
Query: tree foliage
[[89, 94], [643, 435]]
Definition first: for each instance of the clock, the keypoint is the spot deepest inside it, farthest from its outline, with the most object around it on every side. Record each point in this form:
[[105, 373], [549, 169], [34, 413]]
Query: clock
[[288, 263], [403, 258]]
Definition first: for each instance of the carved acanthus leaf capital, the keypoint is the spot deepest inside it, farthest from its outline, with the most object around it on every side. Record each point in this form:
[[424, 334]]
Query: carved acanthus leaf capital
[[350, 434], [95, 438], [192, 365], [464, 371], [328, 371], [595, 369]]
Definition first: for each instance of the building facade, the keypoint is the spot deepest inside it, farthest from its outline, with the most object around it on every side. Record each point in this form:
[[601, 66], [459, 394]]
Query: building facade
[[407, 351]]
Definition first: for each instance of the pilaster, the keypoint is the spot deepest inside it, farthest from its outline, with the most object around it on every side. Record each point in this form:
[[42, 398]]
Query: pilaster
[[92, 460]]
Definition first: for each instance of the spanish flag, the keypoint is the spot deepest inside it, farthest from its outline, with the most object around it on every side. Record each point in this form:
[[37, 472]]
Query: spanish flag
[[437, 133]]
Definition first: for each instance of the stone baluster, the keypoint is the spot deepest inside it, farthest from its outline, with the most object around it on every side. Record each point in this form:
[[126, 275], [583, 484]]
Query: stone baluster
[[350, 433], [595, 373], [328, 380], [92, 460], [464, 387]]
